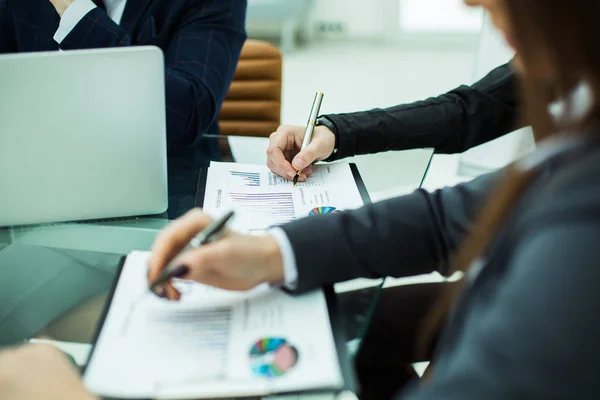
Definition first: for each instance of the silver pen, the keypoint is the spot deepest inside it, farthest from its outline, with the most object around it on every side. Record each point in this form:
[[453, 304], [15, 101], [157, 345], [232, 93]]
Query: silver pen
[[310, 126]]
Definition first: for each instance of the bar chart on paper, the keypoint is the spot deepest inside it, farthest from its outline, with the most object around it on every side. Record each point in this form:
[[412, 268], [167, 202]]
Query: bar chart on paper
[[262, 199], [203, 330], [249, 179], [262, 210], [317, 179]]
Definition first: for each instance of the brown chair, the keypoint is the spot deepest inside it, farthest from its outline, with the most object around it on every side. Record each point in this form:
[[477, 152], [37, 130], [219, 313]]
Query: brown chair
[[252, 106]]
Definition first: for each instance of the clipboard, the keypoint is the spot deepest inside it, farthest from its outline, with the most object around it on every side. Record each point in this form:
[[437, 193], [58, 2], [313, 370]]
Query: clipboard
[[360, 184], [335, 319]]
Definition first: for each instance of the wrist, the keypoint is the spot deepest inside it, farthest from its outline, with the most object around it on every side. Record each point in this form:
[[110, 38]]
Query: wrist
[[328, 138], [328, 125], [273, 260]]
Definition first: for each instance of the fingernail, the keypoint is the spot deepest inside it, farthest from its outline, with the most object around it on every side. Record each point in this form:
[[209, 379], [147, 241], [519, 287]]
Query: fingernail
[[291, 174], [298, 161], [160, 292], [180, 271]]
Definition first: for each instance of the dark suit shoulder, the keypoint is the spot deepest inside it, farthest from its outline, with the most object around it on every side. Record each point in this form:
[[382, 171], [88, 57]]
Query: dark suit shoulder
[[20, 7], [566, 192]]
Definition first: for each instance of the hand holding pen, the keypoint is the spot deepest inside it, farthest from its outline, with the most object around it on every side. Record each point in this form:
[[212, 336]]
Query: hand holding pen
[[209, 234], [310, 127], [286, 154], [233, 262]]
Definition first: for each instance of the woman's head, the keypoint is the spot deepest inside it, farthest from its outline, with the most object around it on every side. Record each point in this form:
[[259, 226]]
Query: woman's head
[[556, 46], [556, 49]]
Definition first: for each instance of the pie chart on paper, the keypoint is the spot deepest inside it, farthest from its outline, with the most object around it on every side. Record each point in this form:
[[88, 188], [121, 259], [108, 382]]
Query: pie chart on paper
[[323, 210]]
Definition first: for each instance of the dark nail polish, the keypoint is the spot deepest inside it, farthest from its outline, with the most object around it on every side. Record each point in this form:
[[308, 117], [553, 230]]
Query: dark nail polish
[[160, 292], [180, 271]]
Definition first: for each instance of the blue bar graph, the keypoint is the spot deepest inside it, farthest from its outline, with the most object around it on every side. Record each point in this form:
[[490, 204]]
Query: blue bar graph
[[250, 179], [265, 209]]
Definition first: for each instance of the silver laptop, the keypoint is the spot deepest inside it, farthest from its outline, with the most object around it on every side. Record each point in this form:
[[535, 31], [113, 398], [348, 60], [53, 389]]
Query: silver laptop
[[82, 135]]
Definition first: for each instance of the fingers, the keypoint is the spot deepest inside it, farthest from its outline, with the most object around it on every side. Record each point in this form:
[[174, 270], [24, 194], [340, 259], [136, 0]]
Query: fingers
[[306, 157], [305, 174], [281, 143], [167, 291], [321, 147], [286, 141], [205, 259], [278, 164], [171, 241], [218, 264], [171, 292]]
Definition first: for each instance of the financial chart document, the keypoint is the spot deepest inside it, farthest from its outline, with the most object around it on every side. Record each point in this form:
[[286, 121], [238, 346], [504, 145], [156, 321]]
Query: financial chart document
[[212, 343], [262, 199]]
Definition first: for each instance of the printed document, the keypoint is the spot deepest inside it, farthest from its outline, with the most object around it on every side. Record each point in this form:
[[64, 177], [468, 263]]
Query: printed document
[[262, 199], [212, 343]]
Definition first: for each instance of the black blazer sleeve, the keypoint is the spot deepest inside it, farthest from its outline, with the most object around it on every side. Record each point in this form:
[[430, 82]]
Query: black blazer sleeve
[[8, 43], [200, 60], [451, 123], [409, 235]]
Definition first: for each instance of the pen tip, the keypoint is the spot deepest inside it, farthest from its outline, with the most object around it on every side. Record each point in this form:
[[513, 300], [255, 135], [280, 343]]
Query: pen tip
[[296, 180]]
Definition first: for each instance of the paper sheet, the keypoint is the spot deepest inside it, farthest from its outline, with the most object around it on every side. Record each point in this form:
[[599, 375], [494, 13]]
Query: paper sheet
[[262, 199], [211, 343]]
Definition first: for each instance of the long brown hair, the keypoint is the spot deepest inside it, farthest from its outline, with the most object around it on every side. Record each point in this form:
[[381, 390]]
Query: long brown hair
[[564, 34]]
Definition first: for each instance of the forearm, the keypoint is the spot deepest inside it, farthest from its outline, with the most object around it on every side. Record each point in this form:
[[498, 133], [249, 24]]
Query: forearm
[[405, 236], [190, 109], [450, 123], [201, 60]]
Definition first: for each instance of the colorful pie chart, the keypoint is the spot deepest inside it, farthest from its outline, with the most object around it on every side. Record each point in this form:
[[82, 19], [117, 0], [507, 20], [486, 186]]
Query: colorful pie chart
[[323, 210], [272, 357]]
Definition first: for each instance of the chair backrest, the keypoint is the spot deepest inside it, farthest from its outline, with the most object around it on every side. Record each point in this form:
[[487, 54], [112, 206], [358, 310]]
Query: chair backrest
[[252, 106]]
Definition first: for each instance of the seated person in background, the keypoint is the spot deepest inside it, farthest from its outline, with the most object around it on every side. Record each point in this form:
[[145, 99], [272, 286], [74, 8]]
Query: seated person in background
[[201, 40]]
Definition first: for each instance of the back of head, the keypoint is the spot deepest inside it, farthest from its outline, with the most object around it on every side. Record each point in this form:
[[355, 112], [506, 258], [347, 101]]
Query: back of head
[[558, 50], [556, 43]]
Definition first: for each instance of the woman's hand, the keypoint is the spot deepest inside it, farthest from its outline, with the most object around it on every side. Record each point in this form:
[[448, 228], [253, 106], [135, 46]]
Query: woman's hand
[[39, 372], [233, 261], [285, 155]]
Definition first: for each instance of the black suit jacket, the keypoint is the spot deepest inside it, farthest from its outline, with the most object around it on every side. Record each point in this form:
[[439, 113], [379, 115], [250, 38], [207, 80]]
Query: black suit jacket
[[453, 122], [528, 326], [201, 40]]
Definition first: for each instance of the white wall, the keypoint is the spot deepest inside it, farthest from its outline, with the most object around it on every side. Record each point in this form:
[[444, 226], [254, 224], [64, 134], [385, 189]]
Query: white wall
[[374, 19], [361, 18], [439, 16]]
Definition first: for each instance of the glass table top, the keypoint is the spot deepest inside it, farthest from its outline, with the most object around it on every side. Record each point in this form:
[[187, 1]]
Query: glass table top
[[54, 278]]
